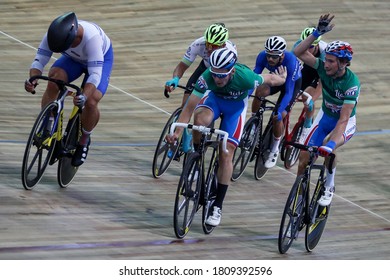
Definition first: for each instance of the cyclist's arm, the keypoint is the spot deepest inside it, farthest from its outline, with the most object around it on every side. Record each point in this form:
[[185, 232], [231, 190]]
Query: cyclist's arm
[[345, 113], [180, 69], [301, 51]]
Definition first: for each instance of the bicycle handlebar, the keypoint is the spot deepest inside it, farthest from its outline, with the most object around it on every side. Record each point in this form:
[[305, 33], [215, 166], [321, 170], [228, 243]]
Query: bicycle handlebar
[[203, 130], [314, 150], [166, 93], [60, 83]]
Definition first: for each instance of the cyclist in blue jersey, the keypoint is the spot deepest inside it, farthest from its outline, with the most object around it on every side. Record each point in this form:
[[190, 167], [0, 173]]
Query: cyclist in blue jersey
[[335, 123], [271, 58], [85, 49], [223, 90]]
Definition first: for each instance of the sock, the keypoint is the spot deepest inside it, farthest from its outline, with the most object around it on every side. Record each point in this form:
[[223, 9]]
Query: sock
[[221, 192], [275, 144], [330, 178], [84, 137]]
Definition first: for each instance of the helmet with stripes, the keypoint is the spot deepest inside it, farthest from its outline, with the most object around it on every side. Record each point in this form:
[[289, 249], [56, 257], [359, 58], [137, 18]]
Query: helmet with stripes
[[223, 59], [340, 49], [216, 34], [275, 45]]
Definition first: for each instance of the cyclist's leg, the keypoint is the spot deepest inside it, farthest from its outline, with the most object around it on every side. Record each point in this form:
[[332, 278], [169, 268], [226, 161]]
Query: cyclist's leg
[[261, 91]]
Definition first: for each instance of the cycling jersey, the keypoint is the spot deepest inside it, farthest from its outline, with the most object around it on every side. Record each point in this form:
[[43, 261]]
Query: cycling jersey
[[231, 101], [90, 54], [339, 91]]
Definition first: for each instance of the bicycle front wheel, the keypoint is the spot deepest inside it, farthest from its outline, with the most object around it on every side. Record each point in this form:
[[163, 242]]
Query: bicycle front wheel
[[244, 151], [66, 171], [292, 153], [318, 216], [293, 215], [210, 193], [165, 152], [187, 195], [39, 148]]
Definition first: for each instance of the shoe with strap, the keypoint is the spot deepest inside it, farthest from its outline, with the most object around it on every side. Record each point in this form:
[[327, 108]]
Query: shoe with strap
[[272, 159], [80, 155], [215, 218], [326, 198]]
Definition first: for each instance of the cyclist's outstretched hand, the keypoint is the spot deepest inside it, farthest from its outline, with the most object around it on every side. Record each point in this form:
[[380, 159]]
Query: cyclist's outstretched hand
[[30, 87], [324, 25], [327, 149], [172, 84], [282, 72]]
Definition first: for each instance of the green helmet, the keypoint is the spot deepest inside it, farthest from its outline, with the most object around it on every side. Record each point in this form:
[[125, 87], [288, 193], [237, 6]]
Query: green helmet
[[306, 32], [216, 34]]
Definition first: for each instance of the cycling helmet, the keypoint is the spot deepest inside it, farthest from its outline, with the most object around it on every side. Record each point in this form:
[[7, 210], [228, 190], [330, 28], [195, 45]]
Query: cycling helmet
[[216, 34], [340, 49], [306, 32], [275, 45], [223, 59], [61, 32]]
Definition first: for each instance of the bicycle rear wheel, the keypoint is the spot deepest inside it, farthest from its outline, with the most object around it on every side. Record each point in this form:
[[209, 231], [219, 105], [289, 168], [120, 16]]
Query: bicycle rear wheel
[[165, 153], [39, 148], [260, 169], [318, 216], [244, 151], [66, 171], [291, 154], [187, 195], [293, 215]]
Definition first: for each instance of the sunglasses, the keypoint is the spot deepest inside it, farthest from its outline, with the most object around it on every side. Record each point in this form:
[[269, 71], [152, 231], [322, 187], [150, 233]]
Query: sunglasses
[[210, 46], [220, 75], [273, 56]]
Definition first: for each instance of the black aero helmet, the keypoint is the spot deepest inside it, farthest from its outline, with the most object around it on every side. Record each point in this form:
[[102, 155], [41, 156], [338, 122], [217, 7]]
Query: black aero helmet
[[61, 32]]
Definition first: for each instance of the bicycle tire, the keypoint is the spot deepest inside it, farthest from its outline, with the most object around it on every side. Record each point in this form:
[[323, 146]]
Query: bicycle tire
[[161, 160], [44, 143], [293, 215], [66, 171], [210, 193], [187, 195], [262, 156], [292, 153], [318, 215], [246, 147]]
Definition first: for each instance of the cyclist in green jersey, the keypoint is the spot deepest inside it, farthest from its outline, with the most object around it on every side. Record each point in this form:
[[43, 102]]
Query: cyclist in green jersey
[[223, 90], [335, 123]]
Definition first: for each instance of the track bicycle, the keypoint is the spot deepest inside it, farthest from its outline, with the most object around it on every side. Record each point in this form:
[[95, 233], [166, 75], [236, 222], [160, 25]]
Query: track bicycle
[[255, 142], [165, 152], [198, 182], [48, 143], [302, 208]]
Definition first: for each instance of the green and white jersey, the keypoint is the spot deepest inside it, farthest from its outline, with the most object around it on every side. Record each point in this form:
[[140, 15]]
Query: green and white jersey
[[243, 80], [339, 91]]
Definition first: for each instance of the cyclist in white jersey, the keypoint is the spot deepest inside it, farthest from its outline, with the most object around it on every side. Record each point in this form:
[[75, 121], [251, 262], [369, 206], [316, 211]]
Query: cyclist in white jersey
[[216, 36], [85, 49]]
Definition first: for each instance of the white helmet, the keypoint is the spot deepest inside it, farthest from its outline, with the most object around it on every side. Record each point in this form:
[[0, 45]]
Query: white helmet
[[275, 45], [223, 59]]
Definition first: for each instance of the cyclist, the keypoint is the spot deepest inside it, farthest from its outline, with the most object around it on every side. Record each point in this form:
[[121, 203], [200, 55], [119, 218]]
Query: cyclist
[[215, 36], [223, 90], [271, 58], [310, 79], [335, 123], [85, 49]]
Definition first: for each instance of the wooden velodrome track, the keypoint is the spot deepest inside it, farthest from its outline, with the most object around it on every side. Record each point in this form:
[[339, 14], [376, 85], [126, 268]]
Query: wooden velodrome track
[[115, 209]]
